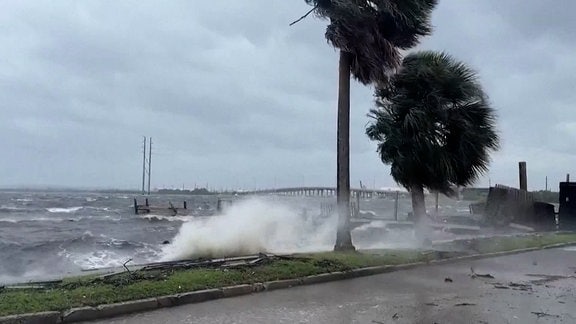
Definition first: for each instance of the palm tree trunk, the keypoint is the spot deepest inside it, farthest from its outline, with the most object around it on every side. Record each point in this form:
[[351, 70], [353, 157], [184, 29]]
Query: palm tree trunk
[[419, 210], [343, 235]]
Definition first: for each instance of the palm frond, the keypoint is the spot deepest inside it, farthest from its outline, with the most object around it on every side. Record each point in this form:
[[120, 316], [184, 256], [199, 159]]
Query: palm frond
[[374, 31], [433, 123]]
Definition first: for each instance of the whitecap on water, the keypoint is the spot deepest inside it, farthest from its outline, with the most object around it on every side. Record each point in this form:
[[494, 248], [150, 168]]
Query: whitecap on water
[[92, 260], [152, 217], [99, 208], [64, 210], [106, 258], [33, 219], [11, 208]]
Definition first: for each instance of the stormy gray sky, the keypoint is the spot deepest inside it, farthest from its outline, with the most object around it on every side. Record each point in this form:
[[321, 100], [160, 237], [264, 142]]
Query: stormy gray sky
[[234, 97]]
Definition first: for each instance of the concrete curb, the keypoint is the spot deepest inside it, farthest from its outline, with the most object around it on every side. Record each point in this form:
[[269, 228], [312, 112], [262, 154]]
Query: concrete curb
[[33, 318], [282, 284], [237, 290], [111, 310], [326, 277]]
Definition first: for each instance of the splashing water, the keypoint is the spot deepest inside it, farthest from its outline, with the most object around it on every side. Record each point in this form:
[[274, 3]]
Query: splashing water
[[250, 227]]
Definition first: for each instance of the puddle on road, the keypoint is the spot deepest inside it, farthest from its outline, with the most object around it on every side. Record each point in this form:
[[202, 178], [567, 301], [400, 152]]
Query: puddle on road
[[570, 248]]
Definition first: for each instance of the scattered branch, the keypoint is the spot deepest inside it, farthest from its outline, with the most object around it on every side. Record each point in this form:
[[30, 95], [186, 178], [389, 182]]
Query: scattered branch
[[306, 15], [125, 267]]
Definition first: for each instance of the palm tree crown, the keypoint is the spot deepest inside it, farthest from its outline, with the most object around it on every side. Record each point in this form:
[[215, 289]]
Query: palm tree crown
[[433, 123], [374, 31]]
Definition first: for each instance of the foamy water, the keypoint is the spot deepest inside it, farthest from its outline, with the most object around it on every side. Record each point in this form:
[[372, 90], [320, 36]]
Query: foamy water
[[258, 225], [250, 227], [64, 210]]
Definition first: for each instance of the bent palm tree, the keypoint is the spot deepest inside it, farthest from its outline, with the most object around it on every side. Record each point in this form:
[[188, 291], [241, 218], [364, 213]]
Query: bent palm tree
[[369, 35], [434, 126]]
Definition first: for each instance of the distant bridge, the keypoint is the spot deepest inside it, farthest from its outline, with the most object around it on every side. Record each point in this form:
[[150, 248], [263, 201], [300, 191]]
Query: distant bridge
[[320, 192]]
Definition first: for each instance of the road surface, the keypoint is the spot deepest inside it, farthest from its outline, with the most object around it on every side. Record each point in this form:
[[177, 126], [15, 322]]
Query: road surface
[[535, 287]]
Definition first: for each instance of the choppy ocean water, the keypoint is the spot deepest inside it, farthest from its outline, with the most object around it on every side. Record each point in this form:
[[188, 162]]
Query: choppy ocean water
[[52, 234]]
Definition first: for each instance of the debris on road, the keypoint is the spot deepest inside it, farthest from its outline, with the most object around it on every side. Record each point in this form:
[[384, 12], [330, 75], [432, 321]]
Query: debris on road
[[520, 286], [478, 275], [542, 314], [395, 316], [498, 286], [545, 278], [448, 280], [465, 304]]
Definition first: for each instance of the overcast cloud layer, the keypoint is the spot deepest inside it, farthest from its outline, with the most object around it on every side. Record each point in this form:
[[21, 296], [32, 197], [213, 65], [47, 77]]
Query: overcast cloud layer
[[234, 97]]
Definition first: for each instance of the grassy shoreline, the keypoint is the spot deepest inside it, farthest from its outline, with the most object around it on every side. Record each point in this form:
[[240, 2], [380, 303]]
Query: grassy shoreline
[[93, 291]]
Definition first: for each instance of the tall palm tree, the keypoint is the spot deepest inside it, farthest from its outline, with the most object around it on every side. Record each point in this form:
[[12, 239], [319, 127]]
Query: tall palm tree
[[369, 35], [434, 126]]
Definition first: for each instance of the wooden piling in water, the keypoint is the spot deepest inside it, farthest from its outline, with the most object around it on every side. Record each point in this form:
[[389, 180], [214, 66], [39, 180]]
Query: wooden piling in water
[[523, 176]]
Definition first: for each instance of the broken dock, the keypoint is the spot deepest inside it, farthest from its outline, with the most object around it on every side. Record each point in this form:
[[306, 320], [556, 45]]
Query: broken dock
[[169, 210]]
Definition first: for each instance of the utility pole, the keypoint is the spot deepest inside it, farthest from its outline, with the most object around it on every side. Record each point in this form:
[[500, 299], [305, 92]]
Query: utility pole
[[149, 164], [144, 165], [546, 184]]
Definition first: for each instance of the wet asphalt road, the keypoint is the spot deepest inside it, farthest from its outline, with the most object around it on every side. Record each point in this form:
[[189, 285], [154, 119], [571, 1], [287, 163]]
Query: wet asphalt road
[[535, 287]]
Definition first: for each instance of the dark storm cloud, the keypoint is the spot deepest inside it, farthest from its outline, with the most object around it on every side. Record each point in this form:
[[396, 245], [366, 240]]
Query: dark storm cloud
[[233, 96]]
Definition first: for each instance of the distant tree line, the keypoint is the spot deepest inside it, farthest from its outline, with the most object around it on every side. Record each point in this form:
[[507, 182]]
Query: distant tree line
[[195, 191], [551, 197]]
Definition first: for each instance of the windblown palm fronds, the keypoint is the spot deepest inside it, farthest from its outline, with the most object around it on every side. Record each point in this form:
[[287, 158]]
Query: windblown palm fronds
[[433, 123], [375, 31]]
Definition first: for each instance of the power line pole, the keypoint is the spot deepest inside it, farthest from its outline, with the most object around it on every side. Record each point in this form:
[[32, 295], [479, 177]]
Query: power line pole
[[144, 165], [149, 164]]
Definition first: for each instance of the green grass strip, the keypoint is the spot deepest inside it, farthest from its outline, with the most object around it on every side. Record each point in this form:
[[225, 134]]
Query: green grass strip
[[91, 291]]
